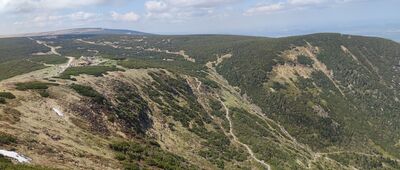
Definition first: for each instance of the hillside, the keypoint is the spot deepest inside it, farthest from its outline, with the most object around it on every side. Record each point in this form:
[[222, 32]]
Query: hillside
[[320, 101]]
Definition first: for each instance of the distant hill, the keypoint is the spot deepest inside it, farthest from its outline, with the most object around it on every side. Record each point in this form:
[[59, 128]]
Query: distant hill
[[80, 31]]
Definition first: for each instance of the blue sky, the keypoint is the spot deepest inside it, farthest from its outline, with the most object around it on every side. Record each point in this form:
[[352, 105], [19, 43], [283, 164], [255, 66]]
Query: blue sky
[[271, 18]]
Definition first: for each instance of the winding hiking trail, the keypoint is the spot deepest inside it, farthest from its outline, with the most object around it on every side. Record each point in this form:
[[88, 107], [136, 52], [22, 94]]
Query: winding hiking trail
[[66, 66], [52, 48], [180, 53], [50, 71], [235, 138], [199, 85]]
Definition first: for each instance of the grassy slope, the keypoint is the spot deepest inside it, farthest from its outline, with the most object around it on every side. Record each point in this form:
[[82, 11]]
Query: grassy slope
[[14, 53]]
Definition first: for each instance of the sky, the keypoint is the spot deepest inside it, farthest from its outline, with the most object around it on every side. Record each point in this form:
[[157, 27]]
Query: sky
[[271, 18]]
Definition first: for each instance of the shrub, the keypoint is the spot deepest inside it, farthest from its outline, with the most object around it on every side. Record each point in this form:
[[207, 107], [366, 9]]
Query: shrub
[[6, 139], [7, 164], [34, 85], [49, 59], [43, 93], [97, 71], [152, 156], [7, 95], [2, 100], [305, 60], [88, 92]]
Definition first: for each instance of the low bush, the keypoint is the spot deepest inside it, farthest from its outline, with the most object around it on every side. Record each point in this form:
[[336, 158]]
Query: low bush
[[43, 93], [88, 91], [7, 95], [7, 164], [34, 85], [97, 71], [2, 100], [49, 59], [152, 156], [6, 139], [305, 60]]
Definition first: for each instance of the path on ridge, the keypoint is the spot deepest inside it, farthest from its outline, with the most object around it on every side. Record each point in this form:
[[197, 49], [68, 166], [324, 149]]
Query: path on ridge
[[235, 138]]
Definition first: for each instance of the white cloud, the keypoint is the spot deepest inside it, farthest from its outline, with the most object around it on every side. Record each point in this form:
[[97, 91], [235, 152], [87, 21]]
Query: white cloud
[[200, 3], [268, 8], [264, 8], [43, 20], [155, 6], [179, 10], [22, 6], [305, 2], [83, 16], [129, 17]]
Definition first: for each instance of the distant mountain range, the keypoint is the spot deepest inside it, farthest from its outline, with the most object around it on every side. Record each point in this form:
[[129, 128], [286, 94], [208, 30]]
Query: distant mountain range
[[79, 31]]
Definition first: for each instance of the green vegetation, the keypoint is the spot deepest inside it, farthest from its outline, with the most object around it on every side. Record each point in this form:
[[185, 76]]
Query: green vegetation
[[217, 148], [39, 87], [6, 164], [179, 66], [368, 85], [216, 107], [7, 95], [34, 85], [14, 54], [89, 70], [49, 59], [2, 100], [43, 93], [263, 142], [132, 109], [167, 91], [4, 96], [360, 161], [170, 90], [304, 60], [88, 92], [13, 68], [139, 155], [351, 106], [6, 139], [19, 48]]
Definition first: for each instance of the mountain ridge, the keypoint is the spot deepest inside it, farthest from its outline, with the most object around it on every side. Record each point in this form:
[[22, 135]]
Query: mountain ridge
[[316, 101], [108, 31], [79, 31]]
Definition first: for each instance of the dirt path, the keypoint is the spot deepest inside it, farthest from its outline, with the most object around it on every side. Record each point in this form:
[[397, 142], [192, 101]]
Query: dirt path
[[59, 68], [65, 67], [52, 48], [49, 72], [180, 53], [199, 85], [237, 140]]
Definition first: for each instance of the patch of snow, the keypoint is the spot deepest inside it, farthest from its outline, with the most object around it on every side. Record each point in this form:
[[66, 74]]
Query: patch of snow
[[15, 155], [58, 112]]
